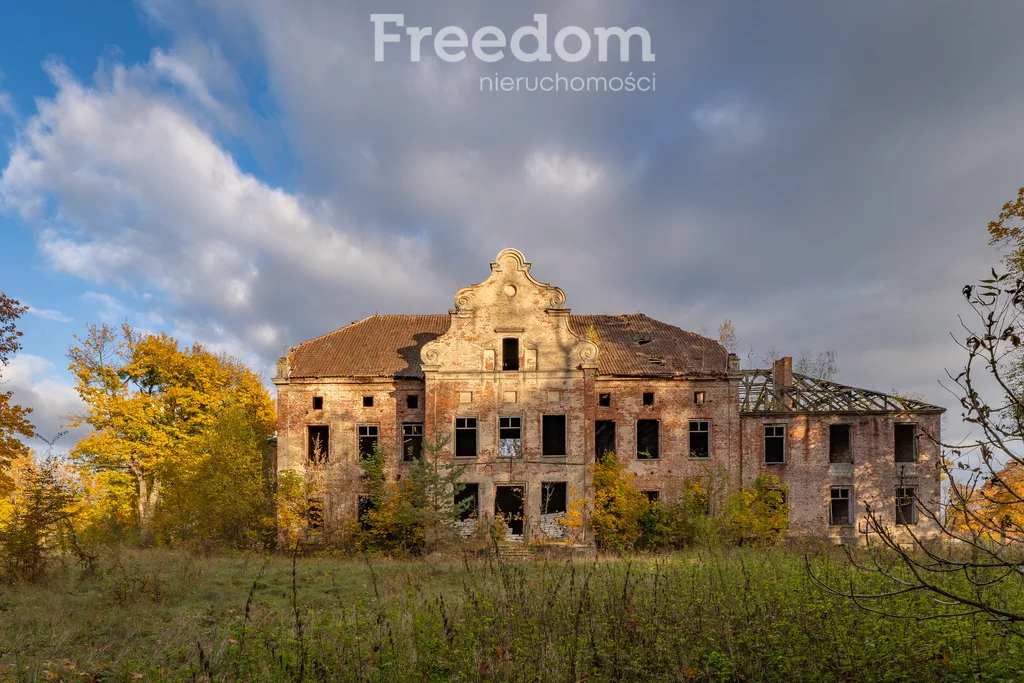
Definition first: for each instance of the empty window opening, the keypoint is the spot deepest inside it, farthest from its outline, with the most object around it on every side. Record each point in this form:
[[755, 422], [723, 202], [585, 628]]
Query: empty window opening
[[315, 514], [700, 439], [368, 439], [318, 403], [508, 506], [648, 398], [553, 428], [839, 444], [839, 510], [367, 401], [698, 397], [510, 437], [647, 439], [510, 353], [412, 401], [364, 506], [604, 439], [465, 437], [604, 400], [906, 508], [467, 502], [318, 440], [775, 444], [905, 437], [553, 498], [652, 496], [412, 442]]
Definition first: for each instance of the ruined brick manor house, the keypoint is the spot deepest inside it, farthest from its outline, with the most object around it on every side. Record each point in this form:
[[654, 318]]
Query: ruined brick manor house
[[530, 394]]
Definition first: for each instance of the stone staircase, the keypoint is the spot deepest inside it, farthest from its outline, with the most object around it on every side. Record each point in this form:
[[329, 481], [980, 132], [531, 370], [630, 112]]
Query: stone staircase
[[515, 552]]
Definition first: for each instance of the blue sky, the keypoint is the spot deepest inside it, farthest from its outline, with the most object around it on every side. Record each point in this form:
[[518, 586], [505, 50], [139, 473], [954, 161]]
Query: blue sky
[[245, 174]]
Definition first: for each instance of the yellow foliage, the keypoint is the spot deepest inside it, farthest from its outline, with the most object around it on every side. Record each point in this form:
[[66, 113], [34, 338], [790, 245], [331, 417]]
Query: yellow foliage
[[758, 513], [618, 506], [574, 514], [155, 409]]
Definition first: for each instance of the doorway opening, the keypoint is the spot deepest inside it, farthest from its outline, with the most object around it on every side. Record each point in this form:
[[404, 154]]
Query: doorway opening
[[508, 505]]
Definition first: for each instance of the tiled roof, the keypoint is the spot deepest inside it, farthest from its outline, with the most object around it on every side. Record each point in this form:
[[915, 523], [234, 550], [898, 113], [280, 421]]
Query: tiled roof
[[379, 346], [637, 345], [389, 346]]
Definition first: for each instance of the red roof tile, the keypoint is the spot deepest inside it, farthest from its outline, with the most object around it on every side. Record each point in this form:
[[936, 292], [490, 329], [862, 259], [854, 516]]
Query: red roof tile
[[389, 346], [637, 345], [379, 346]]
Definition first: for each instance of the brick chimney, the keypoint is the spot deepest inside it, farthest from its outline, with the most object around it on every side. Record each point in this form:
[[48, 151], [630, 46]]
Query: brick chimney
[[782, 381], [734, 363]]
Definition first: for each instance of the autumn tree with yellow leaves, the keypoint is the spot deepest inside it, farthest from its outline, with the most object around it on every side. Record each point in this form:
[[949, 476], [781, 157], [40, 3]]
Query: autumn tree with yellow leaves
[[14, 420], [184, 425]]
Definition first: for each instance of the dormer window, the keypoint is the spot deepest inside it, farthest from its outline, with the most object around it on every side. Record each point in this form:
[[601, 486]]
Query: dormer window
[[510, 353]]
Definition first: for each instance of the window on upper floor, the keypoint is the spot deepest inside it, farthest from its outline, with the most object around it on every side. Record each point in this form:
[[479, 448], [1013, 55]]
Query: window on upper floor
[[905, 442], [509, 353], [648, 398], [604, 400], [775, 444], [553, 434], [318, 443], [318, 403], [700, 439], [412, 442], [839, 444], [510, 437], [465, 437], [604, 438], [368, 439], [647, 439], [367, 401], [412, 401]]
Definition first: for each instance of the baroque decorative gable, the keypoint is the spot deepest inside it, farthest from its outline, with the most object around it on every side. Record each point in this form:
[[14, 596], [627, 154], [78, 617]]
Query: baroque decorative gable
[[511, 303]]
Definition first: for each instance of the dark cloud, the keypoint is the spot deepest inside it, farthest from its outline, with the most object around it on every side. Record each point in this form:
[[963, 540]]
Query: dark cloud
[[819, 173]]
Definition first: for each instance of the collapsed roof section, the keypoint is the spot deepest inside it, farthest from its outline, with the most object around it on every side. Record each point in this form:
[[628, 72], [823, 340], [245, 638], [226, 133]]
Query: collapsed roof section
[[760, 394]]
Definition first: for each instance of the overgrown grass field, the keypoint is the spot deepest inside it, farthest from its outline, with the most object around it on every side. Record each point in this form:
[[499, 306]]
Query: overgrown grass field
[[719, 614]]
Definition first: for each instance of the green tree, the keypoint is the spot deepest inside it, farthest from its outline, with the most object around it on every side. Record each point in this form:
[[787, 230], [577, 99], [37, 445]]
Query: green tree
[[39, 510], [420, 512], [225, 498]]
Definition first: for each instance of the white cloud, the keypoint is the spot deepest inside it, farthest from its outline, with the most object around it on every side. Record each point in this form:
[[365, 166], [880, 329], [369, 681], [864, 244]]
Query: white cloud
[[36, 384], [734, 121], [48, 314], [563, 173], [148, 199], [7, 108]]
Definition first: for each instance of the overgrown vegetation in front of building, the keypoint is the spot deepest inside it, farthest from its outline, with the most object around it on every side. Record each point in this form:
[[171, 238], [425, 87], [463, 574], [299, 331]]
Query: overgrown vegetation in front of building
[[625, 519], [714, 613]]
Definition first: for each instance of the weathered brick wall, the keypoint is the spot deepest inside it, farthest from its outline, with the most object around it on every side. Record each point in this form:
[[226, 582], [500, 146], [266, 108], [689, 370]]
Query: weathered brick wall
[[557, 374], [873, 474], [343, 412], [674, 408]]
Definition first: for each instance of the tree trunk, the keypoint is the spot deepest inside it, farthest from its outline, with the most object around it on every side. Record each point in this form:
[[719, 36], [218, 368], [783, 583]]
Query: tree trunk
[[149, 497]]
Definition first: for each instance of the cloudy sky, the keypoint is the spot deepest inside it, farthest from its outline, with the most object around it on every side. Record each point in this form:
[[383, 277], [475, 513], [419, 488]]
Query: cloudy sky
[[243, 173]]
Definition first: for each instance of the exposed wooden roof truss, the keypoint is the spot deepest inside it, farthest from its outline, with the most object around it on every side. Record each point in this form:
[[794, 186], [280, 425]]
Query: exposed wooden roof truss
[[811, 395]]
